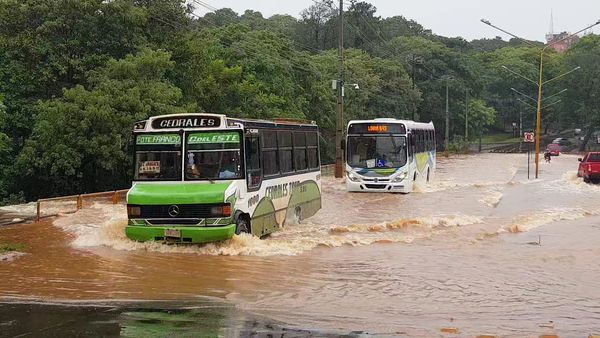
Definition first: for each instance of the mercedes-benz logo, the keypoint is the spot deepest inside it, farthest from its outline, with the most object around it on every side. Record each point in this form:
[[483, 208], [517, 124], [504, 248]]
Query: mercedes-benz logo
[[173, 211]]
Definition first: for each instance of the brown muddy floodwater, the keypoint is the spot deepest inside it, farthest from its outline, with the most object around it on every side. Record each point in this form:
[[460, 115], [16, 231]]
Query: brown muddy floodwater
[[481, 249]]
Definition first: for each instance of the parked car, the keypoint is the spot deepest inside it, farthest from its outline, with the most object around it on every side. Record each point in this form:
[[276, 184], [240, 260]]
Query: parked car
[[553, 149], [589, 167], [562, 141]]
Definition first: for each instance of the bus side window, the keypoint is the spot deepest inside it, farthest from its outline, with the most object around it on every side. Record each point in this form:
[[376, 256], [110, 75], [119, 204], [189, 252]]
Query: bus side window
[[270, 164], [312, 145], [253, 167], [411, 144], [428, 148]]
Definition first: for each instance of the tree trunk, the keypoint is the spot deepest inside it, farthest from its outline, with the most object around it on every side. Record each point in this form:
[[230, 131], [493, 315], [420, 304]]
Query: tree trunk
[[586, 139]]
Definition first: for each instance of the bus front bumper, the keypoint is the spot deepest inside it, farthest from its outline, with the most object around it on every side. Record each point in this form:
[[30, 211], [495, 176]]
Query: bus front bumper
[[376, 187], [179, 234]]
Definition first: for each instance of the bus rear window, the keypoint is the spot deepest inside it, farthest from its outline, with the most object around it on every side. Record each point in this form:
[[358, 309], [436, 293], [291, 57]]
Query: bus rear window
[[158, 157]]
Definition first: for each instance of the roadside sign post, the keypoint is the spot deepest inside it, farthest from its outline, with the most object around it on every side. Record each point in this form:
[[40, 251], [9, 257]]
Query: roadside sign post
[[528, 138], [528, 158]]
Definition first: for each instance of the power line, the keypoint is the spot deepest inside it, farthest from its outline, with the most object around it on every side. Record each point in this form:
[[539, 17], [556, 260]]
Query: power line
[[370, 42], [373, 28], [167, 23], [205, 5]]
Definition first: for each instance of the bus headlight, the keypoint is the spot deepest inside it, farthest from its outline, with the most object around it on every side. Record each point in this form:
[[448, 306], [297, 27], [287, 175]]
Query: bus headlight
[[352, 177], [133, 211], [221, 211], [400, 177]]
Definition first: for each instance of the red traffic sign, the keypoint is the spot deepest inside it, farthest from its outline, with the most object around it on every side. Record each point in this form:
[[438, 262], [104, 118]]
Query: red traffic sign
[[529, 137]]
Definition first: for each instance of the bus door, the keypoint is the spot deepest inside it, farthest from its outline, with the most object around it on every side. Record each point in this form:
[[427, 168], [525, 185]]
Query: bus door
[[253, 163], [411, 148]]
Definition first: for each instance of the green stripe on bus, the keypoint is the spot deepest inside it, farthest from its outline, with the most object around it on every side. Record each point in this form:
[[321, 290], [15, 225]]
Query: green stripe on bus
[[148, 139], [203, 138]]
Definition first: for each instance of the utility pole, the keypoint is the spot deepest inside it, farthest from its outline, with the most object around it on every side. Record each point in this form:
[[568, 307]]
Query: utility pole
[[414, 66], [466, 114], [520, 122], [339, 161], [447, 138]]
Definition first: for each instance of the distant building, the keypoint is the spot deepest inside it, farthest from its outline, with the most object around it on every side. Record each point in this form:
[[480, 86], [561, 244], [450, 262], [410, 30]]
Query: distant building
[[561, 42]]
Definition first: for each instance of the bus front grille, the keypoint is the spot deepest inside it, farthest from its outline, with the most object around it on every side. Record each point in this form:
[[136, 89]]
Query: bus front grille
[[174, 221], [189, 211], [375, 186]]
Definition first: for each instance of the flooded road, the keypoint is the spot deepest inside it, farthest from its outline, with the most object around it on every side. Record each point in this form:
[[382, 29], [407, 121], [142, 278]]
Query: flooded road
[[481, 249]]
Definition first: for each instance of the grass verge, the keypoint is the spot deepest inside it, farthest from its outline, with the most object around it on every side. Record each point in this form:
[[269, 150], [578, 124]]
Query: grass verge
[[499, 138], [10, 247]]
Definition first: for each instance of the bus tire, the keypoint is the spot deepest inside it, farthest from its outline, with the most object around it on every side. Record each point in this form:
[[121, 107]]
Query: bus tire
[[298, 213], [242, 224]]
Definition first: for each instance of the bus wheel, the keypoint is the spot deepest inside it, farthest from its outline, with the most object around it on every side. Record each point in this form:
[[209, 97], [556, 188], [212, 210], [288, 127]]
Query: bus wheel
[[242, 225], [298, 213]]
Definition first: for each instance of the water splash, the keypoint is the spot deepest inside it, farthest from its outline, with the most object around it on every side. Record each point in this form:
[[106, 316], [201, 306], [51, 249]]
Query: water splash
[[104, 225], [492, 198], [528, 222]]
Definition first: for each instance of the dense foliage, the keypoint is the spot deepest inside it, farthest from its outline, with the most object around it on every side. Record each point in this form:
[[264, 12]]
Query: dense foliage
[[75, 74]]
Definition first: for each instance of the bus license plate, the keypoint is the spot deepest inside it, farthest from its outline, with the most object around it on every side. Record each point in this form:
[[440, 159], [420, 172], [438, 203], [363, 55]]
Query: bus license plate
[[172, 233]]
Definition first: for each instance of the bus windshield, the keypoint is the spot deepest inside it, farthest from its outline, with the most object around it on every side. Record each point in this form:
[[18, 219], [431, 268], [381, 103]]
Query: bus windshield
[[213, 156], [157, 157], [377, 151]]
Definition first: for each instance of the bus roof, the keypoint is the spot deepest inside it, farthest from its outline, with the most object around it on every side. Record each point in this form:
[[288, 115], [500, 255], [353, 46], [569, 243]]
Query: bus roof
[[273, 122], [410, 124], [216, 121]]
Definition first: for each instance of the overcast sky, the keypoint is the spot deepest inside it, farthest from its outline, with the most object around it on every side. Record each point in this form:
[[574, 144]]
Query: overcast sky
[[527, 18]]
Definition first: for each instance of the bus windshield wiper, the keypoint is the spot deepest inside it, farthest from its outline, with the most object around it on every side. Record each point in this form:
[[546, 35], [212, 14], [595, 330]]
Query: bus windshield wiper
[[200, 177], [207, 178]]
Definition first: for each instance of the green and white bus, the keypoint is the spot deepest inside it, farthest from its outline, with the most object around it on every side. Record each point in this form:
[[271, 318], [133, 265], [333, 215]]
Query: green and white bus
[[205, 177], [389, 155]]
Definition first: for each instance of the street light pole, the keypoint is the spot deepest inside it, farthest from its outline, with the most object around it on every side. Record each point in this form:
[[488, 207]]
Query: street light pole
[[339, 169], [466, 114], [538, 127], [540, 82], [447, 138]]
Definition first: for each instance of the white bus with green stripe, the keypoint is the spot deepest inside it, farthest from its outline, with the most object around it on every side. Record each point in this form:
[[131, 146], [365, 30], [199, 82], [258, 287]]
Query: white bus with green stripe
[[389, 155], [205, 177]]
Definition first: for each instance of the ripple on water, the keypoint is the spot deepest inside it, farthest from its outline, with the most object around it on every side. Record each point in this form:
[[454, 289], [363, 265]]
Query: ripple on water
[[531, 221]]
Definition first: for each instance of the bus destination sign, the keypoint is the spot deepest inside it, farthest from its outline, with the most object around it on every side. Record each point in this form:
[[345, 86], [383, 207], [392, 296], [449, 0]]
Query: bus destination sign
[[376, 128], [186, 121]]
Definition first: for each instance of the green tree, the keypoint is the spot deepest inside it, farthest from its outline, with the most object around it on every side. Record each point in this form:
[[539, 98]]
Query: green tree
[[480, 117], [7, 182], [581, 108], [222, 17], [316, 28], [46, 46], [80, 142], [400, 26]]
